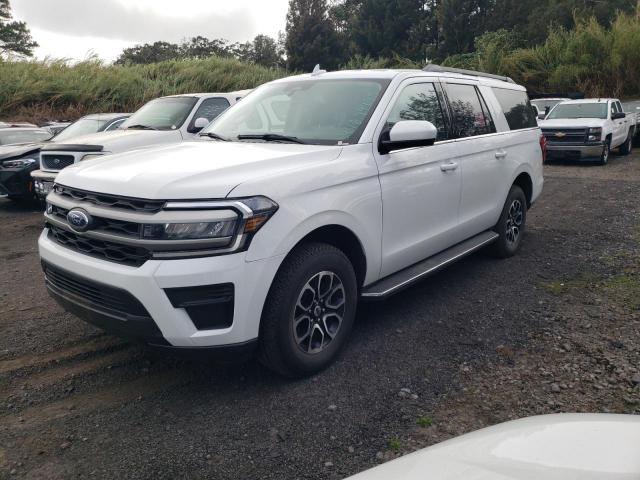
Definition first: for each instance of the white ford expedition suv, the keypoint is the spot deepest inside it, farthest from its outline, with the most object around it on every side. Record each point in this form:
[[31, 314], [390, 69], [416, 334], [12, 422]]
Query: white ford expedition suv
[[589, 129], [161, 121], [311, 193]]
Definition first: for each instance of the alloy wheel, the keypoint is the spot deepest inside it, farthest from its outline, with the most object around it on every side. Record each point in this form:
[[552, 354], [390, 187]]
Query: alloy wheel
[[514, 221]]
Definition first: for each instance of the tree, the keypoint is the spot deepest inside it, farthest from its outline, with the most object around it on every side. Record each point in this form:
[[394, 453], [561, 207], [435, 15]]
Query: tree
[[149, 53], [265, 51], [311, 36], [14, 36]]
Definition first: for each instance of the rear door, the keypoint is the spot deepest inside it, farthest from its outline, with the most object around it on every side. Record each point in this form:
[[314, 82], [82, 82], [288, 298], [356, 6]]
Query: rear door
[[483, 155], [622, 125]]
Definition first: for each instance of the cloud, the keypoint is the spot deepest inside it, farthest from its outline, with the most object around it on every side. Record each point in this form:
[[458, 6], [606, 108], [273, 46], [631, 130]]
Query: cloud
[[110, 19]]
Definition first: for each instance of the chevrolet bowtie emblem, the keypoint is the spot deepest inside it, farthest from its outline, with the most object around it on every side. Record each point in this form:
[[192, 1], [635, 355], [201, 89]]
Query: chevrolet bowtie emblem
[[560, 134]]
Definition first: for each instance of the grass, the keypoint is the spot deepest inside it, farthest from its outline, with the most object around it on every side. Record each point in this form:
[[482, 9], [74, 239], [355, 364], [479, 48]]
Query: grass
[[395, 445], [424, 422], [624, 290]]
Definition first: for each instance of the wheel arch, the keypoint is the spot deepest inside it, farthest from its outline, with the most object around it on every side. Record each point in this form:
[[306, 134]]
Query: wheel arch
[[524, 181]]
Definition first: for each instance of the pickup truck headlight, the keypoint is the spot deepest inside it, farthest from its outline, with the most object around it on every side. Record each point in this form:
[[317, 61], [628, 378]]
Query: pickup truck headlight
[[19, 163], [594, 134]]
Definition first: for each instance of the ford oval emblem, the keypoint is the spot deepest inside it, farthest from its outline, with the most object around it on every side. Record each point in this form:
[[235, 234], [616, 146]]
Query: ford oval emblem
[[79, 219]]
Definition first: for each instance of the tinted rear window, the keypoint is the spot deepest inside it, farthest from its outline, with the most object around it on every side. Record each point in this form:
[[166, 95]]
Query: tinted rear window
[[516, 107]]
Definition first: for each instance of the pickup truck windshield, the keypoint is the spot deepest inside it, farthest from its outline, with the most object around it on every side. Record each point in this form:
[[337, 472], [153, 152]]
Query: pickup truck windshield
[[81, 127], [579, 110], [320, 112], [168, 113]]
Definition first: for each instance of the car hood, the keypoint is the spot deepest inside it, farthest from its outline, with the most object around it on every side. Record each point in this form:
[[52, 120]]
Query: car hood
[[122, 140], [8, 152], [190, 170], [550, 447], [571, 123]]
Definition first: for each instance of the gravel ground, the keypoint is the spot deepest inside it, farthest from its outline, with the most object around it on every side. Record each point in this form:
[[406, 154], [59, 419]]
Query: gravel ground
[[554, 329]]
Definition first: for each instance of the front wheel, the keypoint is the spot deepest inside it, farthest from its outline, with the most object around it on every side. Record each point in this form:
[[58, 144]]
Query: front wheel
[[510, 226], [627, 146], [606, 150], [309, 311]]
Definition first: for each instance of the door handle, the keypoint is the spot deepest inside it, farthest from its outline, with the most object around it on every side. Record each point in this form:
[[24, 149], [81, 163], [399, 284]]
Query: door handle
[[446, 167], [501, 154]]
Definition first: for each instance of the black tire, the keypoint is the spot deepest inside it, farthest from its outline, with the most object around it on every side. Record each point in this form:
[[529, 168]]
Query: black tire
[[280, 349], [606, 151], [627, 146], [509, 240]]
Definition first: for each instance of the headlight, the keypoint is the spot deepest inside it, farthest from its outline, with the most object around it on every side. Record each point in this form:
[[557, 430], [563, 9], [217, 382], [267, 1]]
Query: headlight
[[595, 134], [19, 163], [190, 231]]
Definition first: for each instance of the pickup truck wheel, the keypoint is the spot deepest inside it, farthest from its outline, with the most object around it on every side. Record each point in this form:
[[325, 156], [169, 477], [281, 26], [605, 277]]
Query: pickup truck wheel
[[606, 150], [309, 311], [510, 226], [627, 146]]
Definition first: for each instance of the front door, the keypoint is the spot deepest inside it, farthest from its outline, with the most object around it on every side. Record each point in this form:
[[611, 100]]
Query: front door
[[420, 186]]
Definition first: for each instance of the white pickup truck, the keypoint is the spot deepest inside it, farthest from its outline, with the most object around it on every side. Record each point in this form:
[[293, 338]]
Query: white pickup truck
[[311, 193], [164, 120], [589, 129]]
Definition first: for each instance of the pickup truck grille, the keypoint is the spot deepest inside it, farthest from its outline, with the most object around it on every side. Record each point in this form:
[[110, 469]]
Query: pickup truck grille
[[56, 162], [111, 251], [110, 201], [101, 224], [565, 135]]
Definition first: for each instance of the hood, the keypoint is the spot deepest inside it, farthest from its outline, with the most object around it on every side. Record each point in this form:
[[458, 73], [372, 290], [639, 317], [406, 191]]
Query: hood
[[550, 447], [571, 123], [122, 140], [8, 152], [191, 170]]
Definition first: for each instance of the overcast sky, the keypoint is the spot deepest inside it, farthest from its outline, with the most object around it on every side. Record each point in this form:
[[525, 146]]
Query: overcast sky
[[74, 28]]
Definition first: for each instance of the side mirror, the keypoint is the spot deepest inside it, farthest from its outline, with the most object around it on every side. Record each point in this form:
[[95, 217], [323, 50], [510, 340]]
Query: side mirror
[[542, 116], [200, 123], [407, 134], [618, 115]]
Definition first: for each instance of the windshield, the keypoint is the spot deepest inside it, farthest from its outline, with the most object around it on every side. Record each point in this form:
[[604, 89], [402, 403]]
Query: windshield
[[544, 104], [320, 112], [84, 126], [167, 113], [9, 136], [579, 110]]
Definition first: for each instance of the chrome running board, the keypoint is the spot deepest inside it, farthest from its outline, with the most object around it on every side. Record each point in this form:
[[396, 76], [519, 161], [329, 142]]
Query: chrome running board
[[404, 278]]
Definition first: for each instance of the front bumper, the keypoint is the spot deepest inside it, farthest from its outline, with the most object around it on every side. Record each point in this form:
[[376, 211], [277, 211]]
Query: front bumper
[[43, 182], [16, 182], [148, 285], [577, 150]]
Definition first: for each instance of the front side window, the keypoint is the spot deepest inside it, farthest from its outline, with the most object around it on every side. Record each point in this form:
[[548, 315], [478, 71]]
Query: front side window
[[115, 125], [168, 113], [419, 102], [209, 109], [579, 110], [469, 116], [314, 111], [516, 107]]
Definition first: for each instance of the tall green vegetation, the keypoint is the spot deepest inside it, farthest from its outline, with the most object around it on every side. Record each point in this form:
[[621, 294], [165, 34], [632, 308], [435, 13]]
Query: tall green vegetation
[[40, 90]]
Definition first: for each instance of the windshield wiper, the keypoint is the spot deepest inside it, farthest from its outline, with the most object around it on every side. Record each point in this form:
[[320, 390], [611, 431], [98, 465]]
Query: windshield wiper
[[140, 127], [270, 137], [215, 136]]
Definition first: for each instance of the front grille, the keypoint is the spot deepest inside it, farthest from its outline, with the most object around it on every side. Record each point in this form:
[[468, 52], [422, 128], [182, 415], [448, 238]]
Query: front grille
[[56, 162], [111, 201], [565, 135], [104, 225], [102, 297], [114, 252]]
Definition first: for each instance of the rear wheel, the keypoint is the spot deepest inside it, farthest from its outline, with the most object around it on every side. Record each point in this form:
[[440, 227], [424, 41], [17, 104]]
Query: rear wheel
[[309, 311], [510, 226], [606, 150], [627, 146]]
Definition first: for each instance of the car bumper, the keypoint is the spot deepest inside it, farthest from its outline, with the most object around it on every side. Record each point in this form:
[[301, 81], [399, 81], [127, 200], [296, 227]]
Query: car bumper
[[592, 150], [16, 182], [43, 182], [151, 284]]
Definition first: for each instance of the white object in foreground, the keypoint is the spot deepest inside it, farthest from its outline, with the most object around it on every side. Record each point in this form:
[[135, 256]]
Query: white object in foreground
[[548, 447]]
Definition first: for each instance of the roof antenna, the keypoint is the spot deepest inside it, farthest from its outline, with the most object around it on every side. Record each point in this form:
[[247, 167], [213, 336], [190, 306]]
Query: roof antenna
[[317, 70]]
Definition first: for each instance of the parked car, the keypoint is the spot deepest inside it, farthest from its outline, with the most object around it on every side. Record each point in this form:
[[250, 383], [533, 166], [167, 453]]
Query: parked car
[[18, 135], [17, 162], [570, 446], [589, 129], [312, 192], [161, 121], [55, 127], [633, 108], [544, 105]]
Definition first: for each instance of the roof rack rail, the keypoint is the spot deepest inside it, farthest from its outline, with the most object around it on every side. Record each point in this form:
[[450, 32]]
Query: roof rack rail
[[432, 67]]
